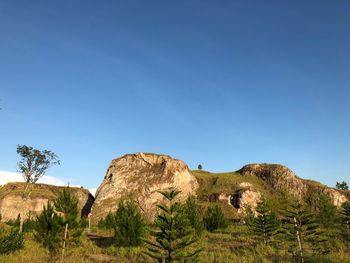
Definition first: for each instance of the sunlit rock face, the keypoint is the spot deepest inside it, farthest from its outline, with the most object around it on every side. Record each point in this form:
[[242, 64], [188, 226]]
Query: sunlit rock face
[[282, 179], [142, 176], [247, 197], [279, 177], [13, 203]]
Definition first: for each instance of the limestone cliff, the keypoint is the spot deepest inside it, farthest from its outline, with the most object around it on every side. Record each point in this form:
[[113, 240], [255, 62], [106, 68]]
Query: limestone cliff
[[12, 204], [142, 175]]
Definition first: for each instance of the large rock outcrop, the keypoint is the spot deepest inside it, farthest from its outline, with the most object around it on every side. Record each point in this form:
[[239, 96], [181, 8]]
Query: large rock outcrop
[[12, 203], [142, 175], [279, 177]]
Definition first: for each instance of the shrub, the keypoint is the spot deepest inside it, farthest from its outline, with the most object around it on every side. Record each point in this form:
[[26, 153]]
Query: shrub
[[11, 242], [66, 205], [128, 224], [190, 210], [48, 229], [214, 218]]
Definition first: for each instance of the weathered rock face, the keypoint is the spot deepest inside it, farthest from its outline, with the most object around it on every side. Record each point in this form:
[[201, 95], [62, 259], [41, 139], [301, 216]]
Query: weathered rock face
[[281, 178], [246, 197], [12, 204], [337, 197], [142, 175]]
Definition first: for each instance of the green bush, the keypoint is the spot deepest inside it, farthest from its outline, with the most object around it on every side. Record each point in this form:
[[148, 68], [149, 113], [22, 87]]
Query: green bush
[[48, 229], [11, 242], [190, 210], [128, 224], [214, 218]]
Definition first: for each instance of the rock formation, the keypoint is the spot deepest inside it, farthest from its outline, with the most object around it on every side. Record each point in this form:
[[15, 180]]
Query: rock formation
[[12, 204], [245, 197], [279, 177], [142, 175]]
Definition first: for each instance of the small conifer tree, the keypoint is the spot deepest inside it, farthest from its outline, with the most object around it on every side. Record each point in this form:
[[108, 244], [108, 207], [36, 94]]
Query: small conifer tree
[[48, 229], [214, 218], [128, 223], [173, 238], [263, 226], [66, 205], [327, 214], [300, 226], [190, 210], [345, 219], [11, 242]]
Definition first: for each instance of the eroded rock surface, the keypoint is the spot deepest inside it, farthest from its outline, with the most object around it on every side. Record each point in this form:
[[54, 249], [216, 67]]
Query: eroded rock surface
[[12, 203], [281, 178], [142, 175]]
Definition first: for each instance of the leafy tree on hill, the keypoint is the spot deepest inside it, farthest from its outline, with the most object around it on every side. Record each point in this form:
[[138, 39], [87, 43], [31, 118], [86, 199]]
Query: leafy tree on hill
[[342, 186], [34, 163], [200, 167], [214, 218], [173, 240], [128, 223], [264, 224]]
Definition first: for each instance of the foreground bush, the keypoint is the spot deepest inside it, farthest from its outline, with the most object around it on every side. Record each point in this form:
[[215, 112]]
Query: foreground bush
[[11, 242], [47, 230], [128, 224], [214, 218]]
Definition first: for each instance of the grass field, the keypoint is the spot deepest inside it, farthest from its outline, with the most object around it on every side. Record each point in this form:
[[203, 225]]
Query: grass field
[[230, 245]]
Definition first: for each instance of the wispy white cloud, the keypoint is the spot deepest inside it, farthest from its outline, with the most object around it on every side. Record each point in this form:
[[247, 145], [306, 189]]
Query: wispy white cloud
[[8, 177]]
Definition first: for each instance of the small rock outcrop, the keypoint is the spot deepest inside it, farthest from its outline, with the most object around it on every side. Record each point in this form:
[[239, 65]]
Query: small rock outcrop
[[12, 203], [142, 175], [245, 197]]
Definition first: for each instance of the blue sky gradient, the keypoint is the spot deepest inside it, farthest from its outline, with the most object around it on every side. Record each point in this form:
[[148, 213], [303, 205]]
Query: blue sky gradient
[[221, 83]]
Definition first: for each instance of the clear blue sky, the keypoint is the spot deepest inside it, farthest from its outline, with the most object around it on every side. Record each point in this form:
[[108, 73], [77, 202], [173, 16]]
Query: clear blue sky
[[221, 83]]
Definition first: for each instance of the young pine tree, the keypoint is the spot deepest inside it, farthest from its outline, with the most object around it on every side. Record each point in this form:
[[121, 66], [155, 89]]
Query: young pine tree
[[214, 218], [327, 212], [11, 242], [190, 209], [300, 227], [345, 219], [263, 225], [66, 206], [174, 236], [128, 224], [48, 230]]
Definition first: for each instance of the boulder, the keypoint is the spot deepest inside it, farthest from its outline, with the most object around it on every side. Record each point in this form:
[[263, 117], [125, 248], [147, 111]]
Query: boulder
[[142, 176]]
